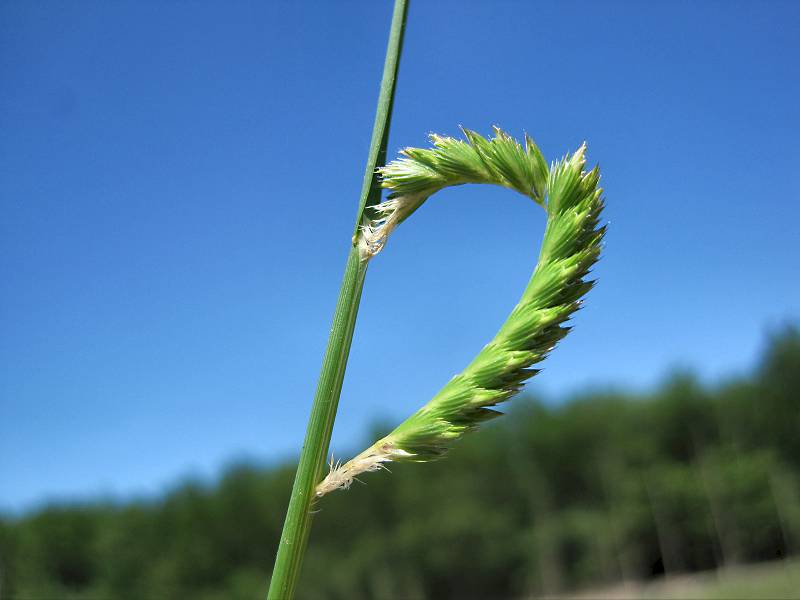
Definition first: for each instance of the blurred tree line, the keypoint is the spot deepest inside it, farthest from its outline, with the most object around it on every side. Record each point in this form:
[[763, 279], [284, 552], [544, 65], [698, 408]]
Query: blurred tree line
[[606, 487]]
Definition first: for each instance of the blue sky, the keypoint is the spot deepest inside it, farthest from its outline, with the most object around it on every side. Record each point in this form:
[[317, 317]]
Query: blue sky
[[179, 180]]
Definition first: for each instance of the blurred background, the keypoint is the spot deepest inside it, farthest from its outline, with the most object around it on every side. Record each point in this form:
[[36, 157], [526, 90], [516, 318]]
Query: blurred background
[[178, 185]]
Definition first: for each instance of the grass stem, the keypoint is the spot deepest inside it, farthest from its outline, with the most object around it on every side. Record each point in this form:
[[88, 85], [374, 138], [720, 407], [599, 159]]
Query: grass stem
[[297, 526]]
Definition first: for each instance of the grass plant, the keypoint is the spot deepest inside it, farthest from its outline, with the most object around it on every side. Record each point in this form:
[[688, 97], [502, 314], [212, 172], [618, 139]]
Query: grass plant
[[572, 201]]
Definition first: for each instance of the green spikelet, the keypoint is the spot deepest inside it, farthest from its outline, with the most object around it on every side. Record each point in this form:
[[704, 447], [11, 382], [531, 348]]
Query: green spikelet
[[571, 245]]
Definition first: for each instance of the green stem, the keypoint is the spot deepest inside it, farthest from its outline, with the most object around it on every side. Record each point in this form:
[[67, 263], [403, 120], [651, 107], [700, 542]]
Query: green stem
[[297, 526]]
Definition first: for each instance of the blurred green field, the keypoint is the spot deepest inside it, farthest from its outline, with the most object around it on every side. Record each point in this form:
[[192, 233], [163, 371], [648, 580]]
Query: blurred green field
[[690, 490], [779, 580]]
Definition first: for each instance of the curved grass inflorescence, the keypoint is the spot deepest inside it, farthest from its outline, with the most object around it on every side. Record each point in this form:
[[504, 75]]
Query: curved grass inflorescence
[[571, 245]]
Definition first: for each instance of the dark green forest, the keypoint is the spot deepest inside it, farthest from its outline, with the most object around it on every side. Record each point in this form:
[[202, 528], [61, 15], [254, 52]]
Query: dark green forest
[[600, 488]]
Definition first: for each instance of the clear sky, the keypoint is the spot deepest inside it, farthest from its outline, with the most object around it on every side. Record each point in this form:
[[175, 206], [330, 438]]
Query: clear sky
[[179, 181]]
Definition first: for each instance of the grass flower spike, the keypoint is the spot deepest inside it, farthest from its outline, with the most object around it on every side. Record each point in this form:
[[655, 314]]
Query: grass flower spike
[[572, 242]]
